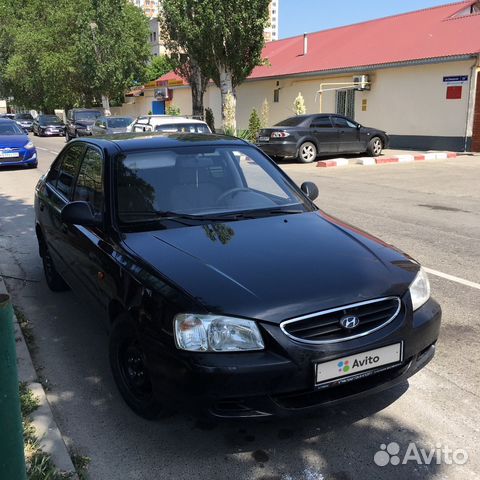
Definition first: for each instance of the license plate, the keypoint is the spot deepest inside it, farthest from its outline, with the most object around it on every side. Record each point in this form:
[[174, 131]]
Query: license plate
[[350, 365], [263, 139], [9, 154]]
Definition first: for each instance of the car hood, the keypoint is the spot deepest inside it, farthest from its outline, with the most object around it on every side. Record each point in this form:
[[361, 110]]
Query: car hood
[[13, 141], [84, 123], [275, 268], [53, 125]]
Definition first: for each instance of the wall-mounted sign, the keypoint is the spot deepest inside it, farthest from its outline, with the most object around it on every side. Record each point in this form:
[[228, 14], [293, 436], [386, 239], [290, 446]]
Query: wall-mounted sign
[[454, 92], [456, 79]]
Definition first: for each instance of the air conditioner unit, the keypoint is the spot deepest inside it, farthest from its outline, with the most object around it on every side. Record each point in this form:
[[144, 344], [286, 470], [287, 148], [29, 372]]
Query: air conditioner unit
[[161, 93], [361, 82]]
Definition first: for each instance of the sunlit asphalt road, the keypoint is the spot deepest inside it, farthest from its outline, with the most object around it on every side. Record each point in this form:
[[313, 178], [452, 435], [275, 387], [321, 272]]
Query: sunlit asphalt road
[[429, 209]]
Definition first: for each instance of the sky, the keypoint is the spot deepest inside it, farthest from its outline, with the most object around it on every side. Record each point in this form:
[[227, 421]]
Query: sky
[[300, 16]]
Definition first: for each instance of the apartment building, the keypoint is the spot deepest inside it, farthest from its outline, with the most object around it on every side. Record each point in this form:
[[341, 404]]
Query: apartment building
[[271, 32], [149, 7]]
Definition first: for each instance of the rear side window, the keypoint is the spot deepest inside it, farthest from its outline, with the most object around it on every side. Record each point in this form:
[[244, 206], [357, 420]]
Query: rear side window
[[89, 187], [69, 169], [321, 122]]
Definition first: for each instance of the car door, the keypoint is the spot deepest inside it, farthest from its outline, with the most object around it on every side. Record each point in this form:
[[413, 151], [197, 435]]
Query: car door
[[89, 245], [324, 132], [35, 126], [349, 135], [58, 192]]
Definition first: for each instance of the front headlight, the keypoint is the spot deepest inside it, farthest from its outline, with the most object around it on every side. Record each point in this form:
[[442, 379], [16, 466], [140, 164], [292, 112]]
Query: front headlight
[[215, 333], [29, 146], [420, 289]]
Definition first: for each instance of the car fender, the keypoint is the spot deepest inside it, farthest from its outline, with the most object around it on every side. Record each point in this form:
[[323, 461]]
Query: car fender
[[307, 138]]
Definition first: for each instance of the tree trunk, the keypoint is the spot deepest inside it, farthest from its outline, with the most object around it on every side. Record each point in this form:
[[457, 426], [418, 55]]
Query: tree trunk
[[197, 85], [226, 86], [106, 105]]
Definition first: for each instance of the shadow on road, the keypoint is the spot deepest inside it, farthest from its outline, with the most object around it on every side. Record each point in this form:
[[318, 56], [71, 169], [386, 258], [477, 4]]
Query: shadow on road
[[335, 444]]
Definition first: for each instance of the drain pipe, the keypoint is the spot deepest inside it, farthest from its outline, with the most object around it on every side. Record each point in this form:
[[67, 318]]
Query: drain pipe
[[471, 102]]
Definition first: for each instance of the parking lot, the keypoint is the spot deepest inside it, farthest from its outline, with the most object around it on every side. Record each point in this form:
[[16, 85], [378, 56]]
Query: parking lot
[[429, 209]]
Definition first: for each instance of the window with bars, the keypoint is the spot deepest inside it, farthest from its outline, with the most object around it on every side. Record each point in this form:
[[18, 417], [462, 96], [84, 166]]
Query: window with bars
[[345, 103]]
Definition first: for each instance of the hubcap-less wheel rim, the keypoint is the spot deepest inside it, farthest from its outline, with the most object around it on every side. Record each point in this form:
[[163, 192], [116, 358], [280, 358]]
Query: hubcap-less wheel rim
[[133, 370], [377, 147], [308, 153]]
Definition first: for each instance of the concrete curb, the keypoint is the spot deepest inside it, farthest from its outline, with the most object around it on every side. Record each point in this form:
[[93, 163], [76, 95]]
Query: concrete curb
[[49, 437], [405, 158]]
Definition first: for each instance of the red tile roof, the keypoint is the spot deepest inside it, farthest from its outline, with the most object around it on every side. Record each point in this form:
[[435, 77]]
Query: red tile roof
[[425, 34]]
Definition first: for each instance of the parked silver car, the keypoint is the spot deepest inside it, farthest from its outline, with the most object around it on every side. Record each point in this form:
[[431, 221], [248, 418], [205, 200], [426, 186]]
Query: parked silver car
[[111, 125]]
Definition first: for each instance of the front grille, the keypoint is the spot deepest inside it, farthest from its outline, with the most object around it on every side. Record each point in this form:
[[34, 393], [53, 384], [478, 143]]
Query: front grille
[[324, 327]]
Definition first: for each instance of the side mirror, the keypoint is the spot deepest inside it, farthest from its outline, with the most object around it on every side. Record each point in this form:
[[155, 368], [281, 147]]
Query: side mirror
[[358, 126], [310, 190], [79, 213]]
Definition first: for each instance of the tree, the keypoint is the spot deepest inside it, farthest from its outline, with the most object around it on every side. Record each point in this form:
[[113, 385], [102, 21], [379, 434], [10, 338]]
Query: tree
[[225, 37], [254, 125], [299, 105], [113, 47], [64, 53], [210, 119], [175, 22], [265, 114], [158, 67]]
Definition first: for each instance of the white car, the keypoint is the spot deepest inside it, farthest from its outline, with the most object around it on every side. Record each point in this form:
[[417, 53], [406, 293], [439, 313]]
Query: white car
[[167, 123]]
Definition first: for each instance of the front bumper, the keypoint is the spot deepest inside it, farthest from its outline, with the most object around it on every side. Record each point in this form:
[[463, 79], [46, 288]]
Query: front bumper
[[26, 158], [280, 149], [50, 133], [280, 380], [84, 132]]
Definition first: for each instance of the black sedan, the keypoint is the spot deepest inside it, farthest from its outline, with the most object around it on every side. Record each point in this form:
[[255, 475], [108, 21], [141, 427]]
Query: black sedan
[[48, 125], [225, 289], [304, 137]]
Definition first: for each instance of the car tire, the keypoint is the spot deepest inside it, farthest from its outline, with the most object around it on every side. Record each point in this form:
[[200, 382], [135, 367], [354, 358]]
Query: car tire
[[54, 280], [307, 152], [375, 147], [35, 133], [130, 372], [67, 137]]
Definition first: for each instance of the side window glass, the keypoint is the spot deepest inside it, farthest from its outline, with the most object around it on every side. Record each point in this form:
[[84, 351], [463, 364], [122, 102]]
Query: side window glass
[[343, 123], [69, 169], [54, 171], [321, 122], [89, 186]]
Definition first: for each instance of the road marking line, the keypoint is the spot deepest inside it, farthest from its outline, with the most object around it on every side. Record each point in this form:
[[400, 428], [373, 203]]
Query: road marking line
[[41, 148], [468, 283], [55, 153]]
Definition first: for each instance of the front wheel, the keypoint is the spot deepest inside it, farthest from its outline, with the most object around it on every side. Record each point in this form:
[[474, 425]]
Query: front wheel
[[130, 371], [307, 152], [375, 147]]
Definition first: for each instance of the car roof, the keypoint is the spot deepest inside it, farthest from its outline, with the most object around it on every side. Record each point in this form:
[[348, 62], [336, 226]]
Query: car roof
[[128, 142], [170, 119], [6, 120]]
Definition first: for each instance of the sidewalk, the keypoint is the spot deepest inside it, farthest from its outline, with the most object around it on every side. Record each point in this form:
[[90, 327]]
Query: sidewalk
[[390, 156], [49, 436]]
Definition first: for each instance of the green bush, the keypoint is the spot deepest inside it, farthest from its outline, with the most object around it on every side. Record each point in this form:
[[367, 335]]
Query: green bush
[[173, 110], [210, 119], [254, 125]]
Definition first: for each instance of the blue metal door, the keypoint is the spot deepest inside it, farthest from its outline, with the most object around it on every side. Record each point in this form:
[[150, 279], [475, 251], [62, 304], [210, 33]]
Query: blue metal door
[[158, 108]]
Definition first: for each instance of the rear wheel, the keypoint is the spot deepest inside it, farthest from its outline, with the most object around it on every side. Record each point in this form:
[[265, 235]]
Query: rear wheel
[[307, 152], [54, 280], [375, 147], [130, 371]]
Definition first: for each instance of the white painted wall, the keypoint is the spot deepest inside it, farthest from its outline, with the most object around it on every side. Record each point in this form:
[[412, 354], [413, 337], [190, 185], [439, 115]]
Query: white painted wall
[[403, 100]]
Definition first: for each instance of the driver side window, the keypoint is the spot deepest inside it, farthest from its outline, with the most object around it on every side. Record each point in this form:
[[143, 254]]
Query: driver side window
[[256, 178], [89, 187]]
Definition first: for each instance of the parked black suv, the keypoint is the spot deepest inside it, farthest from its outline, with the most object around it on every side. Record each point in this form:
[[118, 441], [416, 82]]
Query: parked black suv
[[80, 122]]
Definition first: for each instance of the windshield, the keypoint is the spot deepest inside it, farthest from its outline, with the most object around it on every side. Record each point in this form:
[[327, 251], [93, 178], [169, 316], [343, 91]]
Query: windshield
[[291, 122], [49, 120], [10, 129], [23, 116], [120, 122], [183, 127], [91, 115], [200, 181]]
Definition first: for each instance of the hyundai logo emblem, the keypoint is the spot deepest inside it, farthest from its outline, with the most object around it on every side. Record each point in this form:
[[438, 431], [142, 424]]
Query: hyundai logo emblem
[[349, 322]]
